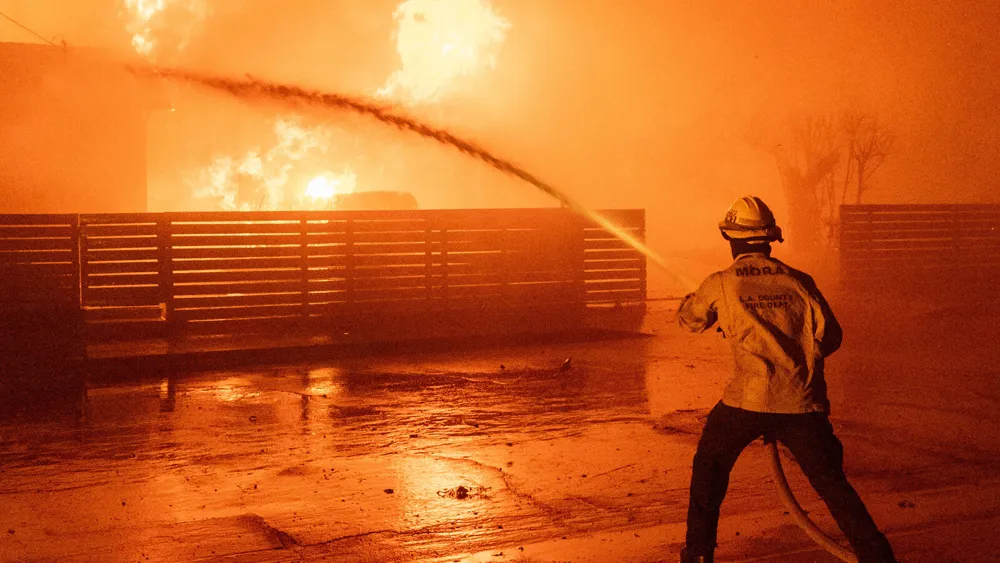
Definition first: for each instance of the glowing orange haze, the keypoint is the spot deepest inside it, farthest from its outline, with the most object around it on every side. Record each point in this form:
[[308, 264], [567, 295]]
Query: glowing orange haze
[[642, 105]]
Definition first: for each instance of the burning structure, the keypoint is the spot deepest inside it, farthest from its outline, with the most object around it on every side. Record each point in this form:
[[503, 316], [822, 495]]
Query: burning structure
[[74, 132], [273, 158]]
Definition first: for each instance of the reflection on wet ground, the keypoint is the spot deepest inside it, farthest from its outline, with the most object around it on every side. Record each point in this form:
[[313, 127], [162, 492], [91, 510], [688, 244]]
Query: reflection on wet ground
[[421, 450], [357, 410], [495, 454]]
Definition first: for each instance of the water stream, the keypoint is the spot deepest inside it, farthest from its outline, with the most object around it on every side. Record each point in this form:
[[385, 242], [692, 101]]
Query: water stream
[[254, 89]]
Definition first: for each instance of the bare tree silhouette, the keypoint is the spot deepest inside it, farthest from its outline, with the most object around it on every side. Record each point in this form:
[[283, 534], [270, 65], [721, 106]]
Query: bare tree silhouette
[[868, 144], [808, 152]]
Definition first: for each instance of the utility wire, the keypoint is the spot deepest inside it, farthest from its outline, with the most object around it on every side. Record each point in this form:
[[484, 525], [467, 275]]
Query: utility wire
[[29, 30]]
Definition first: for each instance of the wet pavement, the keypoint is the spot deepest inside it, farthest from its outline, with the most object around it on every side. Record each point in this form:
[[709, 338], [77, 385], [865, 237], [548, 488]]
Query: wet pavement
[[494, 454]]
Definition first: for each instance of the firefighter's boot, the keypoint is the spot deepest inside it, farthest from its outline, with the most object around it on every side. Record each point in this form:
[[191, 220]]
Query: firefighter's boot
[[688, 557]]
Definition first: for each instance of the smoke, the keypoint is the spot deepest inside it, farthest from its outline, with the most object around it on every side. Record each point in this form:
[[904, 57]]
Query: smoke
[[441, 44], [647, 104]]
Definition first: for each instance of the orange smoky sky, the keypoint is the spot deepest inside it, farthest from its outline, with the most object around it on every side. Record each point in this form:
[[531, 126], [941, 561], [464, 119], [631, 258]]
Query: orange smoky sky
[[643, 103]]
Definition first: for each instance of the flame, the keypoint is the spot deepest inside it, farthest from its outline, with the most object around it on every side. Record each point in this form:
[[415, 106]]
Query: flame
[[440, 41], [321, 188], [146, 19], [283, 177], [322, 191]]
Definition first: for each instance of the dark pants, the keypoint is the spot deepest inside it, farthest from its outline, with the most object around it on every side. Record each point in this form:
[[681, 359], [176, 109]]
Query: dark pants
[[819, 453]]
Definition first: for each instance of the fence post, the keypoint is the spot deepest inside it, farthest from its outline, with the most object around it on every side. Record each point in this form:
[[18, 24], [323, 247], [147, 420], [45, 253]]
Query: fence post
[[956, 235], [844, 245], [572, 263], [506, 263], [643, 262], [869, 239], [349, 280], [579, 262], [860, 224], [165, 270], [429, 263], [304, 256], [78, 272], [445, 298], [79, 268]]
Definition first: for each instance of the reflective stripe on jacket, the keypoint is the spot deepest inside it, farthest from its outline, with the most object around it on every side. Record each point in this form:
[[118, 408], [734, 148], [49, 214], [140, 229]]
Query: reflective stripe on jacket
[[779, 327]]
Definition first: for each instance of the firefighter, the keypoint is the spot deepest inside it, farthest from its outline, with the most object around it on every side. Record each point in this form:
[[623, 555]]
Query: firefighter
[[780, 329]]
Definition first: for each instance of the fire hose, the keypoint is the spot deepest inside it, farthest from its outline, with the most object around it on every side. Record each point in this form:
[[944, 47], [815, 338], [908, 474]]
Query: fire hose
[[796, 511]]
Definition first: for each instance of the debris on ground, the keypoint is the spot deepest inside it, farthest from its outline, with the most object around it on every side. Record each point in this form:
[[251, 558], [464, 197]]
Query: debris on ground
[[389, 491], [462, 492]]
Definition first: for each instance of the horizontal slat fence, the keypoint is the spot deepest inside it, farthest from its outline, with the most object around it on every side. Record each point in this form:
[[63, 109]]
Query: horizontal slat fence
[[39, 262], [121, 267], [39, 286], [227, 272], [614, 272], [920, 247]]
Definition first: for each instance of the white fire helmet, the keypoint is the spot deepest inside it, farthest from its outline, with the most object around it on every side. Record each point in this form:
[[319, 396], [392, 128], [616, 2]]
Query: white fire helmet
[[749, 218]]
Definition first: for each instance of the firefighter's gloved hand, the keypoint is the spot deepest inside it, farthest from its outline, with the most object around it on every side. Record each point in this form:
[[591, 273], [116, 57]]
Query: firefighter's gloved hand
[[695, 315]]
